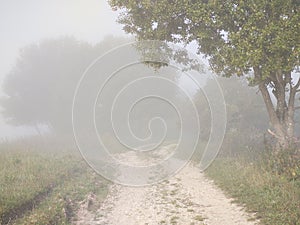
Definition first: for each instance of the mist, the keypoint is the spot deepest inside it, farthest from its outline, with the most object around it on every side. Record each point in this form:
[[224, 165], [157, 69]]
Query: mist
[[149, 112], [28, 23], [75, 79]]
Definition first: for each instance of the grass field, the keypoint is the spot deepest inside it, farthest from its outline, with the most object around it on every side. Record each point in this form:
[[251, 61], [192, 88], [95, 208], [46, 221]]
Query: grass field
[[274, 198], [44, 187]]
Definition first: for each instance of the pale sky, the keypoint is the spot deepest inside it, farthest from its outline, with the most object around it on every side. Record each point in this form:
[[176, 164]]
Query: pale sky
[[26, 22]]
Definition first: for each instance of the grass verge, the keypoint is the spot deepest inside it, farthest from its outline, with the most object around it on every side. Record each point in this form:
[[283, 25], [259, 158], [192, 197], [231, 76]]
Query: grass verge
[[43, 188], [274, 198]]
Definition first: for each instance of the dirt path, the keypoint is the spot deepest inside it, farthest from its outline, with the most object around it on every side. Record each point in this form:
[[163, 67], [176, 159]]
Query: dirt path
[[187, 198]]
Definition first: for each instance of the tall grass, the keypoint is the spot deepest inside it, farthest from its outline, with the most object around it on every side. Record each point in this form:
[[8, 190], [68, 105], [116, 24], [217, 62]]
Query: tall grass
[[274, 198]]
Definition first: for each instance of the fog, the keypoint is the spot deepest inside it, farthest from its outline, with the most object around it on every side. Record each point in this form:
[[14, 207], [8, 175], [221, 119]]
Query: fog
[[149, 112], [28, 22], [69, 74]]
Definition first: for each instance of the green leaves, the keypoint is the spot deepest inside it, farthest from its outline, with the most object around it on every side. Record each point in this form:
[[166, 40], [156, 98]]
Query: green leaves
[[260, 33]]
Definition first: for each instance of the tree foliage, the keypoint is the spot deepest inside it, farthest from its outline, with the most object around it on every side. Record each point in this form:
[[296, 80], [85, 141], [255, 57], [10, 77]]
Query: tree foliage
[[40, 87], [236, 35], [256, 38], [242, 106]]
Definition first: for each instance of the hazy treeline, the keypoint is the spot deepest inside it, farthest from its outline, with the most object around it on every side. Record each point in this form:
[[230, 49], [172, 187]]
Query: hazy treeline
[[40, 90]]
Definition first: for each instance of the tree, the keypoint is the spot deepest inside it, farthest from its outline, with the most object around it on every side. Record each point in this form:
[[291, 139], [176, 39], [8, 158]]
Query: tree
[[259, 39], [242, 105], [40, 87]]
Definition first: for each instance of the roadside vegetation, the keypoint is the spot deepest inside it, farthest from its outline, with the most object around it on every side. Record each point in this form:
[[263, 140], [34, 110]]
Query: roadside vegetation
[[39, 187], [268, 187], [248, 169]]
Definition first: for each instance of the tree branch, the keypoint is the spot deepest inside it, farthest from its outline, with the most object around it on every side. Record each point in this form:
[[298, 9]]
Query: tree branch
[[269, 104], [274, 134], [293, 91]]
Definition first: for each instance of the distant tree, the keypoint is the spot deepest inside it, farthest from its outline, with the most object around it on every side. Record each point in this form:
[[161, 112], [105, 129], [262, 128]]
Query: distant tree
[[247, 116], [259, 39], [40, 87]]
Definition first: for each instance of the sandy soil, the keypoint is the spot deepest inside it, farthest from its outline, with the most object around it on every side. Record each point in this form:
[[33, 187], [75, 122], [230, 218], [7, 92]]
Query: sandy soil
[[187, 198]]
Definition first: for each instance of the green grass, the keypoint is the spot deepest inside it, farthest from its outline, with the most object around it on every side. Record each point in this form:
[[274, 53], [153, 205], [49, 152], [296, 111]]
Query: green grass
[[44, 188], [274, 198]]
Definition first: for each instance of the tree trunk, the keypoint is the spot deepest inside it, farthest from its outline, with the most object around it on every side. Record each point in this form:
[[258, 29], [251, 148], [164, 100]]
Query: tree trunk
[[277, 125], [281, 114]]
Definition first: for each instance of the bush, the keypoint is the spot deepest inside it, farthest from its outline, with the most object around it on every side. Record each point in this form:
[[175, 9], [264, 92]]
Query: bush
[[283, 162]]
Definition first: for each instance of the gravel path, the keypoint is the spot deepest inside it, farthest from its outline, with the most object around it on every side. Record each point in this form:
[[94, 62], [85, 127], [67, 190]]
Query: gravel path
[[187, 198]]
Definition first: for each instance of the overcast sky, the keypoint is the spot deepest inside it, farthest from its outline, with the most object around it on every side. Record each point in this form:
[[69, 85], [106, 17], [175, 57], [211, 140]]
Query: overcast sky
[[26, 22]]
